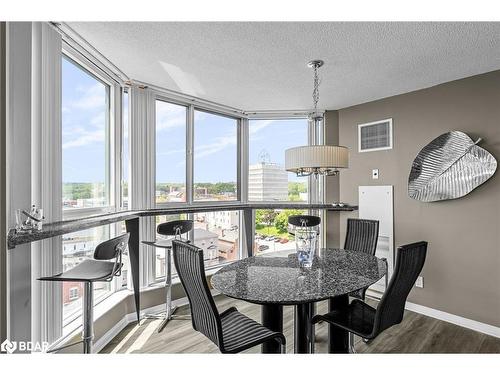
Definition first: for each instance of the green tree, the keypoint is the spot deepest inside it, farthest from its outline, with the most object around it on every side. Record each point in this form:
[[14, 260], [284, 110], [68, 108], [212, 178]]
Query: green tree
[[281, 220]]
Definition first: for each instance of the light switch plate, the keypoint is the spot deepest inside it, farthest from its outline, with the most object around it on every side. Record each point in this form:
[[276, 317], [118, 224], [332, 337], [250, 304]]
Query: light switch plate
[[420, 282], [375, 174]]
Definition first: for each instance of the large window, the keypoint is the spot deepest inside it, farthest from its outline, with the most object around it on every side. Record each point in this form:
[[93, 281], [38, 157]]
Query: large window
[[267, 178], [85, 138], [215, 157], [170, 152]]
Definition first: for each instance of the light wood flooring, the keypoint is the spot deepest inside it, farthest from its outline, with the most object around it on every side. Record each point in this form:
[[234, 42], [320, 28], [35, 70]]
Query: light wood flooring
[[416, 334]]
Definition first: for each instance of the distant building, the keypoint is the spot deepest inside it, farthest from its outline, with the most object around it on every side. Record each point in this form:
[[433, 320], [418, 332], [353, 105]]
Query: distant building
[[267, 182], [208, 241], [223, 219]]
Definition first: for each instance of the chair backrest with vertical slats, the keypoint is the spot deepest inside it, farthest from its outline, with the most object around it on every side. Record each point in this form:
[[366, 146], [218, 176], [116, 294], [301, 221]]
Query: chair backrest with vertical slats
[[188, 260], [410, 260], [362, 235]]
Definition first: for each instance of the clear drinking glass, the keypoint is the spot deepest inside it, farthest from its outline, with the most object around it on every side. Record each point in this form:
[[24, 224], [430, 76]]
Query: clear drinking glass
[[305, 242], [19, 220]]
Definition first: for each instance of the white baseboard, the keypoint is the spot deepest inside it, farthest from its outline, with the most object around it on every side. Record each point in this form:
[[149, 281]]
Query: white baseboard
[[446, 317], [454, 319]]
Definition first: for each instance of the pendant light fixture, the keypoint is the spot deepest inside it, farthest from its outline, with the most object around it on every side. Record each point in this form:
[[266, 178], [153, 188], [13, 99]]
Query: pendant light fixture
[[316, 160]]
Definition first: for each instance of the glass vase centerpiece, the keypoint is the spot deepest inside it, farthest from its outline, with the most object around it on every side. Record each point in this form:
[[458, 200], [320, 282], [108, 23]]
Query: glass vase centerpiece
[[305, 243]]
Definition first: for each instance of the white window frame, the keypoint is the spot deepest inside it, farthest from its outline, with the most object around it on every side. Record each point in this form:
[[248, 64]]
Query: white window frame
[[238, 156], [242, 141], [360, 126], [113, 155], [113, 145]]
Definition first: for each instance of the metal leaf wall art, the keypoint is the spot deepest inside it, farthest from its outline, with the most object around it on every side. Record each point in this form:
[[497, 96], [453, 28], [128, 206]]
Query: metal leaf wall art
[[449, 167]]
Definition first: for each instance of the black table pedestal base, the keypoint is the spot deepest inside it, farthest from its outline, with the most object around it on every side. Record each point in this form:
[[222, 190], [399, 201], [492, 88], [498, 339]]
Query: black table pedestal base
[[304, 330], [338, 339], [272, 318]]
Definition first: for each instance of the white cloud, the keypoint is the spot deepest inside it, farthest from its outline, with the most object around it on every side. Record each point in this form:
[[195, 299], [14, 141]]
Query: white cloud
[[169, 116], [84, 137], [217, 145], [92, 97]]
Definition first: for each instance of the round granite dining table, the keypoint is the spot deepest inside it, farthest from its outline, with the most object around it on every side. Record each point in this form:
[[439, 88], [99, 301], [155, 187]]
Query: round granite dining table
[[275, 281]]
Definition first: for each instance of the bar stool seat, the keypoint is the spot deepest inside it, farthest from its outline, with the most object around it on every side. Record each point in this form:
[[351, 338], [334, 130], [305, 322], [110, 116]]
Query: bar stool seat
[[101, 268], [88, 270]]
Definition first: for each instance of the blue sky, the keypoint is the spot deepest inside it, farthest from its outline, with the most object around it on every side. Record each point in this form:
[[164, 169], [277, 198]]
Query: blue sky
[[215, 143], [83, 125]]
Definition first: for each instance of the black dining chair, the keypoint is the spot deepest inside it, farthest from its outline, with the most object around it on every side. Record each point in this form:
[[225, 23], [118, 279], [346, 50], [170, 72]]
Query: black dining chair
[[175, 228], [361, 319], [231, 331], [361, 235], [89, 271]]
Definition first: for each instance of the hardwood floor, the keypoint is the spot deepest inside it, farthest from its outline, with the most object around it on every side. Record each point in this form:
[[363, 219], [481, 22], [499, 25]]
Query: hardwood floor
[[416, 334]]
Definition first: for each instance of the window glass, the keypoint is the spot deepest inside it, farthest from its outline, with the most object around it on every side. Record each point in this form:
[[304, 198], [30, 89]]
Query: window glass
[[170, 152], [85, 139], [267, 178], [217, 233], [215, 157], [272, 232]]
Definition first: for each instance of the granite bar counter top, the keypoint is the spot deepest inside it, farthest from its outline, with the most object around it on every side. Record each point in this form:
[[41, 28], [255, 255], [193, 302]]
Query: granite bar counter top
[[68, 226]]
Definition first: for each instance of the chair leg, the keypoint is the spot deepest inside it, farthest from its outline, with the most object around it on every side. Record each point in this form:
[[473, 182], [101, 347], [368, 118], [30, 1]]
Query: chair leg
[[88, 317], [352, 349], [386, 274], [169, 310]]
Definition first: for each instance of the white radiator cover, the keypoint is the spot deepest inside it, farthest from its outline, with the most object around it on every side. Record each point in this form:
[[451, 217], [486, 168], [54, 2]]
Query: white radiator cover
[[376, 203]]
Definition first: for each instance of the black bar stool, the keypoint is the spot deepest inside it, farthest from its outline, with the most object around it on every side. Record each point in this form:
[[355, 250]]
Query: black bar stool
[[176, 229], [88, 272]]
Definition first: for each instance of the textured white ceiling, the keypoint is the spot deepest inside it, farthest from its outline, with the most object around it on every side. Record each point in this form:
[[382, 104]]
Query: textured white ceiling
[[262, 66]]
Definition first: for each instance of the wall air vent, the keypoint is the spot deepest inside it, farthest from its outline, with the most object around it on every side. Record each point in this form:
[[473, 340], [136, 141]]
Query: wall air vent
[[375, 136]]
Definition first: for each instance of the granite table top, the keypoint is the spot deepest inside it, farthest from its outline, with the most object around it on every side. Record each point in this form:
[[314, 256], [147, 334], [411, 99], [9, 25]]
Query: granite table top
[[280, 280]]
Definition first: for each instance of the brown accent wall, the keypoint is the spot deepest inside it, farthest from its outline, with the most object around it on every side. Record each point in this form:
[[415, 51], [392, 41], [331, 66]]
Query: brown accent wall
[[462, 270]]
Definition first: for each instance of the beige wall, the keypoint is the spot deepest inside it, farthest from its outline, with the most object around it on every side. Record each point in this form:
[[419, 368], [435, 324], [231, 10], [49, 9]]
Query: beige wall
[[462, 270]]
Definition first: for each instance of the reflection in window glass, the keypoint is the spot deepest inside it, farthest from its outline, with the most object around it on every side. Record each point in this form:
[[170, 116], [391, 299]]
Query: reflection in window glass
[[267, 178], [272, 232], [170, 152], [85, 118], [215, 157]]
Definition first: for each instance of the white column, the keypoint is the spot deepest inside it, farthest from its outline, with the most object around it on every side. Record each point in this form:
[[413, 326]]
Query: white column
[[142, 170], [18, 175], [46, 178]]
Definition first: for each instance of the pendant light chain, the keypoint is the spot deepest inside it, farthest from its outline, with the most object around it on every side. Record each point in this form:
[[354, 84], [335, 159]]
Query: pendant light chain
[[315, 94]]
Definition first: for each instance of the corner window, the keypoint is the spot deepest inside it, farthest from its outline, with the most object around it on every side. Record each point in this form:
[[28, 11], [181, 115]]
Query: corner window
[[267, 178]]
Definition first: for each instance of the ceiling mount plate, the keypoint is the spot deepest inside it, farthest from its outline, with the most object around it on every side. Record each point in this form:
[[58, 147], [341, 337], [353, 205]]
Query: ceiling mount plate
[[315, 63]]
